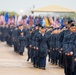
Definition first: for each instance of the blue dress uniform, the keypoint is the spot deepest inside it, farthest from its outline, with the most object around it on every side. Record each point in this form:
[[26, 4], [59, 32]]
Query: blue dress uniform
[[69, 51], [8, 36], [57, 48], [10, 32], [60, 49], [35, 31], [48, 34], [74, 47], [52, 41], [53, 48], [21, 44], [29, 42], [26, 34], [15, 40], [62, 36], [54, 44], [66, 52], [0, 32], [70, 58], [25, 31], [19, 32], [3, 33], [34, 51], [6, 32], [43, 50]]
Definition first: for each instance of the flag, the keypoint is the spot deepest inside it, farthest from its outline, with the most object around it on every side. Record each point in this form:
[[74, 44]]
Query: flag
[[43, 23], [16, 20], [34, 21], [46, 21], [31, 21], [6, 17], [55, 24], [19, 19], [10, 20], [61, 21], [51, 20], [2, 19]]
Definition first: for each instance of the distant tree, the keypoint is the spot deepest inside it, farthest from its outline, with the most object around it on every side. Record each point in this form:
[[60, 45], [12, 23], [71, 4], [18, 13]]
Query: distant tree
[[71, 15], [9, 13]]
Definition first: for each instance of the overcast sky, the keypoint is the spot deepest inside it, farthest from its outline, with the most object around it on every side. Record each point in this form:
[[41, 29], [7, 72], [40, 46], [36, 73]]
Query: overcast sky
[[17, 5]]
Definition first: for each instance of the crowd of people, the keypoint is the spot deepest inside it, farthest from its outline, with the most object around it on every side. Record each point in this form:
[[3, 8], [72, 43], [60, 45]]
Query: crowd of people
[[32, 20], [58, 43]]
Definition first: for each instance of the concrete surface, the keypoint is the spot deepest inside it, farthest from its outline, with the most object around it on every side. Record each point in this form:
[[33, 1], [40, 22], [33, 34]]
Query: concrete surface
[[14, 64]]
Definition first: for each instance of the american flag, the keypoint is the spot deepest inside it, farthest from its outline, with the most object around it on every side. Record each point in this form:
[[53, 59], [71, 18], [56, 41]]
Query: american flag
[[2, 19]]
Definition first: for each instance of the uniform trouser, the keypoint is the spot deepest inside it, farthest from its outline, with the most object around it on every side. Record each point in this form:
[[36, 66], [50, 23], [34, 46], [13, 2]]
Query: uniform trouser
[[10, 41], [15, 48], [7, 41], [32, 55], [61, 58], [42, 61], [74, 68], [55, 56], [22, 47], [2, 38], [29, 53], [68, 65], [36, 61], [74, 73], [49, 55], [35, 58]]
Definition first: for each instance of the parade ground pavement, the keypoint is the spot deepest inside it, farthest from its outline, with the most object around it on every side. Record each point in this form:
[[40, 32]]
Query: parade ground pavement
[[12, 63]]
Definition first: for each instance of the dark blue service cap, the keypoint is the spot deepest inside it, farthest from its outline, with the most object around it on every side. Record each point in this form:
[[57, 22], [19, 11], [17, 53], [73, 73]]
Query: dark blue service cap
[[20, 25], [39, 25], [16, 26], [56, 28], [70, 21], [42, 27], [71, 25]]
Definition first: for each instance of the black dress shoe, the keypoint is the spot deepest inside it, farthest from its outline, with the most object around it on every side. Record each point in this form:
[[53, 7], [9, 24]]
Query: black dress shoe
[[62, 66], [39, 67], [21, 53], [27, 59], [48, 60], [44, 68], [55, 63], [35, 66]]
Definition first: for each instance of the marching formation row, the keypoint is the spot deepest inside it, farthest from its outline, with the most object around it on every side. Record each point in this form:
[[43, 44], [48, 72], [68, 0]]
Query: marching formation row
[[58, 44]]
